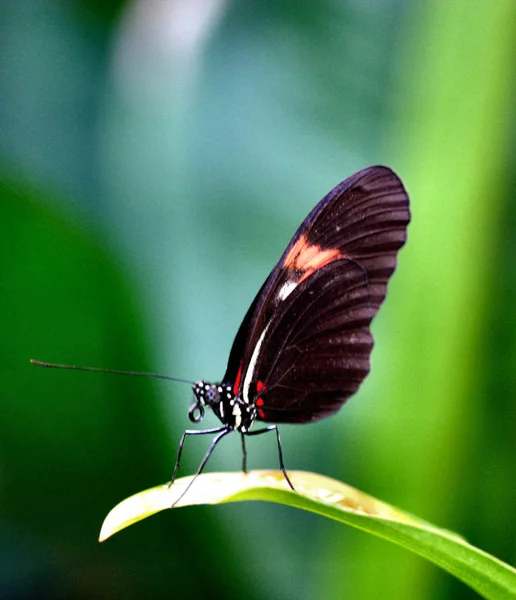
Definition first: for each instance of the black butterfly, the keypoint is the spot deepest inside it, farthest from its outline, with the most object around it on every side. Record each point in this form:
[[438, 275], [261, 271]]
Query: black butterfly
[[303, 347]]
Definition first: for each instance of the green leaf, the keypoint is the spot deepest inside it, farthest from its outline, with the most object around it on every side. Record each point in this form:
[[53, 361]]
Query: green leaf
[[484, 573]]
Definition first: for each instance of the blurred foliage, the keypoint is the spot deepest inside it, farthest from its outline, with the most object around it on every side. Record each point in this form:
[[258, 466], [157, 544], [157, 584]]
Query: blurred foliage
[[70, 445], [155, 158]]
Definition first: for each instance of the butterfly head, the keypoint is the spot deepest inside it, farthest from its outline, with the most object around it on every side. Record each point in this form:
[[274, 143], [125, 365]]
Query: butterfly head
[[206, 394]]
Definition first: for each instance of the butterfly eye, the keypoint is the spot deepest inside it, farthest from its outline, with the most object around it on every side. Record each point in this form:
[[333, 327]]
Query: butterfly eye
[[196, 413], [212, 395]]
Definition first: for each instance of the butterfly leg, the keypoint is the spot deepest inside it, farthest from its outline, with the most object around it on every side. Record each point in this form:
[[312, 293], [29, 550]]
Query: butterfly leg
[[244, 454], [280, 449], [222, 431], [181, 444]]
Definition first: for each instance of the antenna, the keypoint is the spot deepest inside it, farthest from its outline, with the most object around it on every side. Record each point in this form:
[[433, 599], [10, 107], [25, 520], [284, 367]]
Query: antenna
[[116, 372]]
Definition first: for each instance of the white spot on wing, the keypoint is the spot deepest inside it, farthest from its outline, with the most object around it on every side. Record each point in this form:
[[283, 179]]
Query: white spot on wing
[[286, 289], [251, 367]]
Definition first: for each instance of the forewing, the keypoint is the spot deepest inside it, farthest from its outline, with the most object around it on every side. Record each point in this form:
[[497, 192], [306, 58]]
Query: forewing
[[350, 238]]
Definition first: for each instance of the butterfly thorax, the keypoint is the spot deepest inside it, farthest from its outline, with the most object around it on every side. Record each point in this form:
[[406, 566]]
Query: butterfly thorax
[[229, 407]]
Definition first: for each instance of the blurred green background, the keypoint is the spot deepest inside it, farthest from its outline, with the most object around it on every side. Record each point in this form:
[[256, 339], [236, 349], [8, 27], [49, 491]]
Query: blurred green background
[[155, 158]]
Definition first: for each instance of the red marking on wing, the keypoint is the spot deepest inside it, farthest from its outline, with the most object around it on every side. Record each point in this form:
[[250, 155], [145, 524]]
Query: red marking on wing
[[260, 386], [238, 378], [260, 402], [261, 413], [307, 258]]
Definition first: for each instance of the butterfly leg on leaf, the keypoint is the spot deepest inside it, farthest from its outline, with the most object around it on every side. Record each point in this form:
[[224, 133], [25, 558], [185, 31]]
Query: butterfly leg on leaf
[[244, 454], [280, 449], [222, 431], [181, 444]]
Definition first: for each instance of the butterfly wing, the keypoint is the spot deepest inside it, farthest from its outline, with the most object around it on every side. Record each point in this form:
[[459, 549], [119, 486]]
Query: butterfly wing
[[304, 345], [316, 350]]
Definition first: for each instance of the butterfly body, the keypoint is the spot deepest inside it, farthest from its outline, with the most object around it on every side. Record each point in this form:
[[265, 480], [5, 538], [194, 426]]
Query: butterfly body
[[304, 345], [232, 411]]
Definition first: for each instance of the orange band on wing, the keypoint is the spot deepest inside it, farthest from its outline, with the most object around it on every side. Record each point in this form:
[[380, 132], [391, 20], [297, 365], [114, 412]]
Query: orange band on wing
[[307, 257], [295, 251]]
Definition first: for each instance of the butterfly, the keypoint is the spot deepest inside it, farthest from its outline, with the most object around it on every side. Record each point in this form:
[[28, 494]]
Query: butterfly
[[304, 345]]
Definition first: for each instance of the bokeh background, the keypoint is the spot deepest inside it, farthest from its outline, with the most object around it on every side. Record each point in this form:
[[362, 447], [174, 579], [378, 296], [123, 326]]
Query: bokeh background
[[155, 158]]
